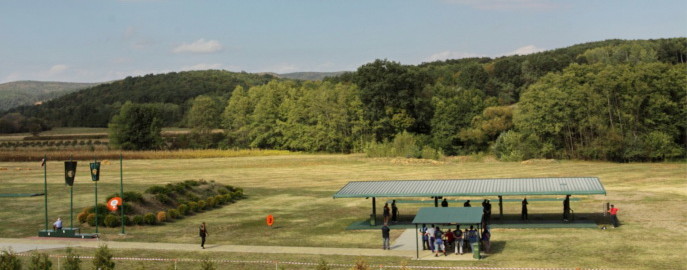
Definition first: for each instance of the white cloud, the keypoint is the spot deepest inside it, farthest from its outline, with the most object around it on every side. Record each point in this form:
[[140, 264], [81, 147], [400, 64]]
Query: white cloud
[[203, 66], [525, 50], [506, 4], [57, 69], [449, 55], [199, 46]]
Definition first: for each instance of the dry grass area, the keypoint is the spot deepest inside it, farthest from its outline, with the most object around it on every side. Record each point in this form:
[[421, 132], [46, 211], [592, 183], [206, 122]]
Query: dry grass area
[[297, 190]]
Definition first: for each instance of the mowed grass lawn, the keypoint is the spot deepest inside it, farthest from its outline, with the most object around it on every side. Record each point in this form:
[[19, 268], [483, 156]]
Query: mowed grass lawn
[[298, 191]]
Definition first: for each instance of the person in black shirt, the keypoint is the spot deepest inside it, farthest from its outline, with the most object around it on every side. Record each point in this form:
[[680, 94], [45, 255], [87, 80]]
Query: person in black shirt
[[467, 204], [444, 203], [523, 215], [385, 236]]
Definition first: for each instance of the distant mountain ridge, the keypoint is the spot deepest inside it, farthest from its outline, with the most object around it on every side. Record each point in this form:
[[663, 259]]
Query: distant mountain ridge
[[19, 93], [309, 76]]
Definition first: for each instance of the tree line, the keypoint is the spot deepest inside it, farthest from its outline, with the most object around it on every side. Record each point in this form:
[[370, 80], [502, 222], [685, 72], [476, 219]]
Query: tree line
[[610, 100]]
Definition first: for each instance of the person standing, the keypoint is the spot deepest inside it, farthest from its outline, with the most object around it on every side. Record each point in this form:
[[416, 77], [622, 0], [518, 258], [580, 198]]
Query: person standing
[[614, 216], [387, 213], [444, 203], [438, 242], [203, 232], [486, 235], [458, 239], [566, 208], [523, 215], [394, 212], [488, 212], [430, 237], [425, 238], [450, 240], [385, 237], [467, 203]]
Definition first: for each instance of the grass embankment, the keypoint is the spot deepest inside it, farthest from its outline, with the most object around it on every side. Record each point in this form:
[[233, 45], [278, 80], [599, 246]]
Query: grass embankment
[[297, 190]]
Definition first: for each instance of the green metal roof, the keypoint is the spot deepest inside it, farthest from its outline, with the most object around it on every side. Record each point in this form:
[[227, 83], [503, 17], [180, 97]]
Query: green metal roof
[[473, 187], [447, 215]]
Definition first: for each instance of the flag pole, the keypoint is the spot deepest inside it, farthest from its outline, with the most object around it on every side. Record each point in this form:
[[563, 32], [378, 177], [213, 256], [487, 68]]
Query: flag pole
[[45, 187], [121, 189]]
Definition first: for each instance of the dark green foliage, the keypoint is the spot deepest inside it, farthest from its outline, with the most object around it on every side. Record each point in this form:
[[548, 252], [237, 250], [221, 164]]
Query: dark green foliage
[[92, 217], [137, 127], [112, 220], [173, 214], [40, 261], [9, 260], [94, 107], [138, 220], [103, 258], [149, 219], [157, 190], [183, 209], [163, 198]]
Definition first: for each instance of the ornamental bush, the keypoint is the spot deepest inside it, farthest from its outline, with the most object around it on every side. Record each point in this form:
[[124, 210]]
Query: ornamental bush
[[138, 220], [112, 221], [183, 209], [202, 205], [149, 219], [82, 217], [193, 207], [161, 216], [173, 214]]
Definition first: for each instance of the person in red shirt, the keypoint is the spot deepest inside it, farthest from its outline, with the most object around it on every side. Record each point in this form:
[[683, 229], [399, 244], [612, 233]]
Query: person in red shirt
[[614, 216]]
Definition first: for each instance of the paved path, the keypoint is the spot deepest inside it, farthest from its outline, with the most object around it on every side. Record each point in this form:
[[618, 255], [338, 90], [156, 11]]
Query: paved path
[[402, 247]]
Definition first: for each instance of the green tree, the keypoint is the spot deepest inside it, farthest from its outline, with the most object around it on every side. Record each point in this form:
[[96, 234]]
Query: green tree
[[236, 117], [454, 109], [136, 127], [103, 258], [72, 262], [9, 260], [394, 98]]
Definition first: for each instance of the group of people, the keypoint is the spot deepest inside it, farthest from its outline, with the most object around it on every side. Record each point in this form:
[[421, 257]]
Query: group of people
[[390, 212], [438, 241]]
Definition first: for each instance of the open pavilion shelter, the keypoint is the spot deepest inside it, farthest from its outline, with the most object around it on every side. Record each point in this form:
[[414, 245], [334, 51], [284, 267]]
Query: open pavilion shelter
[[470, 188], [445, 216]]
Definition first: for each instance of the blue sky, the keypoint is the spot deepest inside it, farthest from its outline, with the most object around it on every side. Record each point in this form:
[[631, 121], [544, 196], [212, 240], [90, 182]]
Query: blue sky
[[95, 41]]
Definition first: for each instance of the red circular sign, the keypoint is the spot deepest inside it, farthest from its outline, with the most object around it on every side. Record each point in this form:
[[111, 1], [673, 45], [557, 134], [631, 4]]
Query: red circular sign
[[112, 203], [270, 220]]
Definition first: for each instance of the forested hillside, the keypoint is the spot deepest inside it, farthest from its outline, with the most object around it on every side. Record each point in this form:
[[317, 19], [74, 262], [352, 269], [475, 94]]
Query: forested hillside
[[610, 100], [14, 94], [94, 107]]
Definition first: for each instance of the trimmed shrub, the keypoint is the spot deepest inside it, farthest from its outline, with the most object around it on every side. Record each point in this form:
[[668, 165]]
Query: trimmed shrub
[[202, 205], [91, 219], [183, 209], [149, 219], [112, 221], [82, 217], [193, 207], [173, 214], [102, 209], [220, 199], [156, 190], [127, 221], [163, 198], [138, 220], [161, 216], [211, 202]]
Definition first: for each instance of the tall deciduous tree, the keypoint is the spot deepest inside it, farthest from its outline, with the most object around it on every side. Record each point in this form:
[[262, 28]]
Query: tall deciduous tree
[[136, 127]]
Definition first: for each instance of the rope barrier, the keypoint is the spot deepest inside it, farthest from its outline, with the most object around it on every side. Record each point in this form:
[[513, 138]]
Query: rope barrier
[[381, 266]]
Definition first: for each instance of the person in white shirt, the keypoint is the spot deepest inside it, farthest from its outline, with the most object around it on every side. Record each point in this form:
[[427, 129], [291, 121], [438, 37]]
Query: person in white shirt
[[57, 225]]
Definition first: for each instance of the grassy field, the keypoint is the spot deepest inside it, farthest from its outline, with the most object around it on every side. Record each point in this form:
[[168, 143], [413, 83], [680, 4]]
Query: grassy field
[[298, 189]]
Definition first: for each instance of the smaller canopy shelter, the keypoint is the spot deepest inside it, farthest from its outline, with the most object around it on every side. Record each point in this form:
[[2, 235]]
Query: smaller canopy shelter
[[447, 215]]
